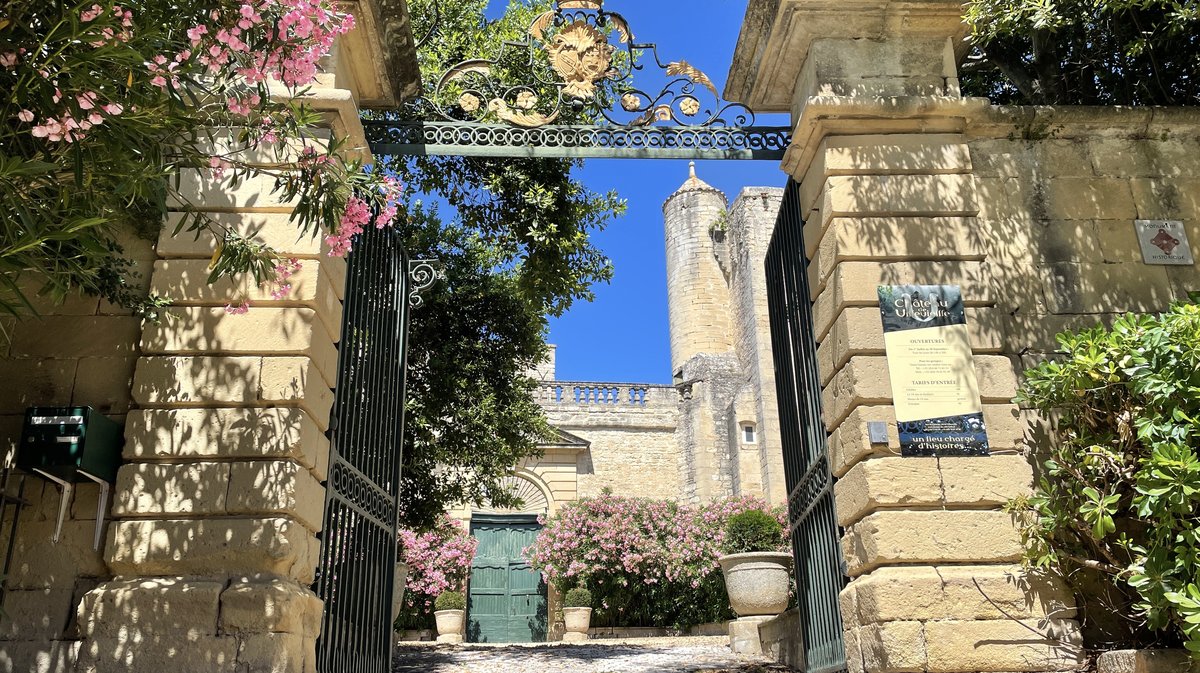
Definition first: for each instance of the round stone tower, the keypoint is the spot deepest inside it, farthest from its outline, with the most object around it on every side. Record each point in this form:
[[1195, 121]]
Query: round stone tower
[[697, 294]]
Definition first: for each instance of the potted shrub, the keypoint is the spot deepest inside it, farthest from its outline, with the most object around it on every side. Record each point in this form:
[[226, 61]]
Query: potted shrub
[[756, 571], [449, 608], [577, 614]]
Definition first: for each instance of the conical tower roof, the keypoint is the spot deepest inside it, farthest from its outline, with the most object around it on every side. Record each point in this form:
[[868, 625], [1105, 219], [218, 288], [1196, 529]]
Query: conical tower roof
[[695, 184]]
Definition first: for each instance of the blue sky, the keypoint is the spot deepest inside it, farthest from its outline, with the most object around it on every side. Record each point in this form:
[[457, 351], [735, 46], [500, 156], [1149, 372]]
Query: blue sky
[[623, 334]]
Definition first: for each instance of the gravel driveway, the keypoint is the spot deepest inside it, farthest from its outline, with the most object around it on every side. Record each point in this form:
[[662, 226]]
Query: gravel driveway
[[643, 655]]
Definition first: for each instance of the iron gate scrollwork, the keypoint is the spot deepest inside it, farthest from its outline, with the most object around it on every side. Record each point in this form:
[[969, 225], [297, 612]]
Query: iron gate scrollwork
[[358, 538], [576, 62], [812, 522]]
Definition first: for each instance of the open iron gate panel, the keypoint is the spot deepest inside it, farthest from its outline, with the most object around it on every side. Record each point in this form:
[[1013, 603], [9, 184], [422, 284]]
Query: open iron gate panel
[[811, 516], [358, 538]]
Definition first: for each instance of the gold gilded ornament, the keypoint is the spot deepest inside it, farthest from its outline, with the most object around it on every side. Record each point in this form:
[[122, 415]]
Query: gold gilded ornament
[[530, 120], [526, 100], [581, 56], [692, 73], [631, 102], [469, 102], [689, 106]]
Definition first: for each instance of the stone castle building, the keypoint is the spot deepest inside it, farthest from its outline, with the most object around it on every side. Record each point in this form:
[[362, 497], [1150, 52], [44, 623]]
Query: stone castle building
[[711, 434]]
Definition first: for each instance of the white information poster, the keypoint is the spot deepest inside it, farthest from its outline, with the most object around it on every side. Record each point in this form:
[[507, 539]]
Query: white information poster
[[934, 387]]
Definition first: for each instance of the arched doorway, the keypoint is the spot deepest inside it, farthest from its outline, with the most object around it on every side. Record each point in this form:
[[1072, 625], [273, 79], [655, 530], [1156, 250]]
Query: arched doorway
[[506, 599]]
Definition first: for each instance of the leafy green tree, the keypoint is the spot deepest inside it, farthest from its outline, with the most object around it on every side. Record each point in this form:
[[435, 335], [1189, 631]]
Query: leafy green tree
[[471, 412], [515, 248], [1085, 52]]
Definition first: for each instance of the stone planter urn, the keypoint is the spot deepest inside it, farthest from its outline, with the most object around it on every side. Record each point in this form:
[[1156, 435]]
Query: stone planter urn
[[449, 625], [398, 582], [757, 582], [576, 621]]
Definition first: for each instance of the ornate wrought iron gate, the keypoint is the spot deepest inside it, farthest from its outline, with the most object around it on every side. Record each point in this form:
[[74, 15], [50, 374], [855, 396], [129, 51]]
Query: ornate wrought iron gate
[[358, 538], [579, 57], [813, 525]]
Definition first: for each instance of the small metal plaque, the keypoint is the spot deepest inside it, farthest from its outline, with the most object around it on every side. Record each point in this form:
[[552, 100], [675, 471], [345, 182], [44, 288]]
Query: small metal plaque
[[1164, 242], [877, 432]]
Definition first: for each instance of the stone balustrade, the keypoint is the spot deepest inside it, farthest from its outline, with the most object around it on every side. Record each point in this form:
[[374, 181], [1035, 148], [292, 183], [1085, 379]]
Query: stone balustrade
[[559, 394]]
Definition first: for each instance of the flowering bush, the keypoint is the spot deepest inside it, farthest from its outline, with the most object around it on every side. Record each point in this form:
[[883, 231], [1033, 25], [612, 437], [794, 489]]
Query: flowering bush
[[107, 103], [646, 562], [439, 561]]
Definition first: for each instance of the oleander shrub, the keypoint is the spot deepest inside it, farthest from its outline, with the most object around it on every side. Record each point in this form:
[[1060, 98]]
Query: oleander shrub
[[450, 600], [753, 531], [439, 562], [1116, 509], [578, 597], [645, 562], [113, 109]]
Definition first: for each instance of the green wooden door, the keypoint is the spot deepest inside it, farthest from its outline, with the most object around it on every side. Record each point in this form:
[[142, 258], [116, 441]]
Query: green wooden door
[[507, 600]]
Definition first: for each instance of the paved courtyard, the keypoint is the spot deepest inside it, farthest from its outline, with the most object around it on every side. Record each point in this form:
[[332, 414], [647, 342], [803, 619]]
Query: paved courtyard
[[644, 655]]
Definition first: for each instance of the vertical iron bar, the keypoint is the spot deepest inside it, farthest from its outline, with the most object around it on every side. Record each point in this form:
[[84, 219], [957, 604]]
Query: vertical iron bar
[[813, 524], [358, 555]]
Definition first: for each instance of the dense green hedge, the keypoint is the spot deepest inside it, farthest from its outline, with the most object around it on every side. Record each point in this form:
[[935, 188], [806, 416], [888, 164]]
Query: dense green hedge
[[1118, 504]]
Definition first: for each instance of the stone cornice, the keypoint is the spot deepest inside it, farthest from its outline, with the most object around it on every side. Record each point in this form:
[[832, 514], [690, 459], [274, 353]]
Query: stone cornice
[[378, 59], [825, 116], [776, 36]]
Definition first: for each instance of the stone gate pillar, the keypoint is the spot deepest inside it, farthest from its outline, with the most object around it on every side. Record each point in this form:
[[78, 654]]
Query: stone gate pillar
[[889, 197], [218, 505]]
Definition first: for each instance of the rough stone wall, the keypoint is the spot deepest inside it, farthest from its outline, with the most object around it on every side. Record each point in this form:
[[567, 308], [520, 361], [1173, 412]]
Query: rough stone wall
[[707, 435], [1057, 212], [633, 449], [546, 370], [79, 353], [638, 462], [751, 223]]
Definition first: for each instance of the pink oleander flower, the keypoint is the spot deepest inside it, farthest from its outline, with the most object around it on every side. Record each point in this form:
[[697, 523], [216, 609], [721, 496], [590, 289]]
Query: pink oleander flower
[[49, 129], [217, 167], [91, 14], [439, 560], [8, 59], [238, 309], [284, 270], [113, 108], [25, 115], [236, 106]]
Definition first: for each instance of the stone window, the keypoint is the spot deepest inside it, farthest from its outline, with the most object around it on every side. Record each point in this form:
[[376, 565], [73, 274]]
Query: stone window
[[749, 433]]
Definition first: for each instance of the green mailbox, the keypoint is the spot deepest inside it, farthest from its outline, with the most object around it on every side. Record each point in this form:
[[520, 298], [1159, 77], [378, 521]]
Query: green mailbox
[[70, 445]]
